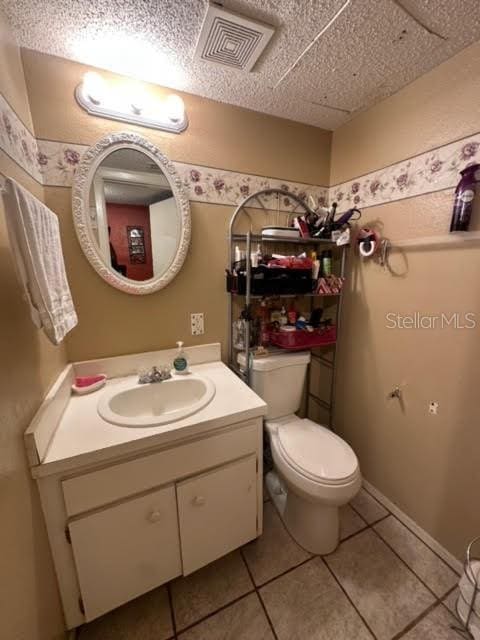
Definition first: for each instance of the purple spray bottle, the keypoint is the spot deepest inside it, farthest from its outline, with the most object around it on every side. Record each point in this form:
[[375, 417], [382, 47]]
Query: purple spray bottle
[[464, 195]]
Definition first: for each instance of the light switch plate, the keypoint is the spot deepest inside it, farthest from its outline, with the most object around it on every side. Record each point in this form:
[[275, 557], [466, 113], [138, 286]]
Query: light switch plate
[[197, 325]]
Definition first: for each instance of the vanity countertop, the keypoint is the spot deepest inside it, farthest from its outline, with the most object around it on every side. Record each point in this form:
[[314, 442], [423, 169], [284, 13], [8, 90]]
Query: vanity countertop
[[82, 437]]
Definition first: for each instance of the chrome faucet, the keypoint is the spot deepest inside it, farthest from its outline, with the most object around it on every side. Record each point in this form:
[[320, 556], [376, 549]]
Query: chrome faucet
[[154, 374]]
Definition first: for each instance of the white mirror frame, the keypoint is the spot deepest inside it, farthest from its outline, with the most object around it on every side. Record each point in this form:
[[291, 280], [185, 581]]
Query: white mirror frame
[[82, 183]]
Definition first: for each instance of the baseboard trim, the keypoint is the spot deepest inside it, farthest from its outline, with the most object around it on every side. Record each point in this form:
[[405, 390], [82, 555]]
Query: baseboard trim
[[450, 559]]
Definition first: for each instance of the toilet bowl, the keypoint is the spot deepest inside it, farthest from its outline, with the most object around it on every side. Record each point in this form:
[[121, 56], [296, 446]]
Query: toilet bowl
[[315, 471]]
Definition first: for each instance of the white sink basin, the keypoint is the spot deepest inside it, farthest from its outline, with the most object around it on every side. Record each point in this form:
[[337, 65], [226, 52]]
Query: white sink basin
[[149, 405]]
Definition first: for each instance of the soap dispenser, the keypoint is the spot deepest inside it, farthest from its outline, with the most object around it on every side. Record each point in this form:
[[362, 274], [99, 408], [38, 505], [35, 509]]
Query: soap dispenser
[[180, 364]]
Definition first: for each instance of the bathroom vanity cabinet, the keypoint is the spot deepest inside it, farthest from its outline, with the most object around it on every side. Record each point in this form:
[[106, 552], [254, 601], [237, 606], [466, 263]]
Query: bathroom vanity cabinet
[[119, 530], [127, 518]]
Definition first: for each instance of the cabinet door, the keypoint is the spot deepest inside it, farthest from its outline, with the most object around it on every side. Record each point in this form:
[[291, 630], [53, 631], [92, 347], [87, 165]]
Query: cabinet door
[[123, 551], [217, 512]]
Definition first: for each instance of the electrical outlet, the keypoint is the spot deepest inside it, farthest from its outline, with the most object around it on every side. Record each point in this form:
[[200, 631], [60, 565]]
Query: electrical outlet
[[433, 408], [196, 323]]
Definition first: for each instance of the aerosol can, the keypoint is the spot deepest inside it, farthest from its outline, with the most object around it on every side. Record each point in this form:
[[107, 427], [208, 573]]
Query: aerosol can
[[464, 197]]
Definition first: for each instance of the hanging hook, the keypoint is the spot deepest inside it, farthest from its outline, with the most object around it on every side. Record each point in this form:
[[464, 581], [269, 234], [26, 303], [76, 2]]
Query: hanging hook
[[396, 392]]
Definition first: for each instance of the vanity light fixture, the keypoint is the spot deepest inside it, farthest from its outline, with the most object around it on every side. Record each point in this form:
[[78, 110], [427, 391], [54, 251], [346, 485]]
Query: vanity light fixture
[[135, 107]]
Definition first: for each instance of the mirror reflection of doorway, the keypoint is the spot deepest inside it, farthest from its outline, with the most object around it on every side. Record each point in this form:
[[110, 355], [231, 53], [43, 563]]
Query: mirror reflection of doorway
[[134, 215]]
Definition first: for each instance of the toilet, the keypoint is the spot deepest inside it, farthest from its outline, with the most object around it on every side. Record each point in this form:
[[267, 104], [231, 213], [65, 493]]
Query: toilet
[[316, 472]]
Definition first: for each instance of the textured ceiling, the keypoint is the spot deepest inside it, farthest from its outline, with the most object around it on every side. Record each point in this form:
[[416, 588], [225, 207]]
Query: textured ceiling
[[133, 160], [373, 49], [123, 191], [136, 194]]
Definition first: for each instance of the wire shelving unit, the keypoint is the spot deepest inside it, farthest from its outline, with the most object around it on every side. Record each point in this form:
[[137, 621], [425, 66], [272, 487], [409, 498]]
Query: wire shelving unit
[[255, 207]]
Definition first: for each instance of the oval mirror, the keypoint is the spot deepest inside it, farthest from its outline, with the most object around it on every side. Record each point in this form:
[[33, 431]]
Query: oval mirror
[[131, 213]]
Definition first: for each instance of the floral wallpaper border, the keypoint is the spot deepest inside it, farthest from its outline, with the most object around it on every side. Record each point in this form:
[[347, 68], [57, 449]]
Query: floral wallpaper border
[[434, 170], [230, 188], [53, 164], [17, 141], [58, 161], [204, 184]]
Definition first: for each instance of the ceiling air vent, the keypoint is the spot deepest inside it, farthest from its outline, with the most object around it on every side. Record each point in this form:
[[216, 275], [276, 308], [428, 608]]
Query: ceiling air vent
[[231, 40]]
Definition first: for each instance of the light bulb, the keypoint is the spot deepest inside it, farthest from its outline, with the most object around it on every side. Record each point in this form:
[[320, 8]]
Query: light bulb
[[137, 106], [175, 109], [140, 101], [93, 87]]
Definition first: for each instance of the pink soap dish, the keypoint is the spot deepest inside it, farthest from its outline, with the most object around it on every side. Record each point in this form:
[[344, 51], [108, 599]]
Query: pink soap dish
[[88, 384]]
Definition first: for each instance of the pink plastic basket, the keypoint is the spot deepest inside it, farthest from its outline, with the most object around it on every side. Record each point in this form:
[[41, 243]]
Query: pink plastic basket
[[301, 339]]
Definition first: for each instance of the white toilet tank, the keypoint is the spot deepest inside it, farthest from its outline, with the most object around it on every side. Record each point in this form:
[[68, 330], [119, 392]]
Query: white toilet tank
[[279, 379]]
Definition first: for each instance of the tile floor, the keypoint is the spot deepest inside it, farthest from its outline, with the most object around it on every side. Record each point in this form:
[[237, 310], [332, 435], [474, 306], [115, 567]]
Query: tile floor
[[381, 583]]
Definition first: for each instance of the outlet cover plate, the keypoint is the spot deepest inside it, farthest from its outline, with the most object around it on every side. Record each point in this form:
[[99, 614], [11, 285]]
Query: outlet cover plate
[[197, 324], [433, 408]]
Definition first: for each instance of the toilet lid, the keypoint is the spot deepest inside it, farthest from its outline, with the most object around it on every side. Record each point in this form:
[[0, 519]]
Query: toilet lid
[[316, 452]]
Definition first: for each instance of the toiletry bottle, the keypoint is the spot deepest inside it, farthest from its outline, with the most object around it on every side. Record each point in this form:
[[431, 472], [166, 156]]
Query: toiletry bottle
[[326, 263], [259, 254], [238, 334], [315, 265], [292, 314], [275, 315], [256, 257], [264, 333], [464, 196], [180, 364]]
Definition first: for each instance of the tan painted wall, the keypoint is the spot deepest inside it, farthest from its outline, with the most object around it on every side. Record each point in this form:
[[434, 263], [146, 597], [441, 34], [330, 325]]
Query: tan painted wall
[[429, 466], [29, 602], [219, 135], [112, 322], [12, 80]]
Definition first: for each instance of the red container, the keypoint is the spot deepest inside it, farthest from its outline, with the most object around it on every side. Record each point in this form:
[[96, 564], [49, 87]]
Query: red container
[[301, 339]]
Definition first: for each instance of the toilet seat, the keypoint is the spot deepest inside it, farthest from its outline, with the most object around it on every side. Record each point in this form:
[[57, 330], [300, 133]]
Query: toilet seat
[[315, 452]]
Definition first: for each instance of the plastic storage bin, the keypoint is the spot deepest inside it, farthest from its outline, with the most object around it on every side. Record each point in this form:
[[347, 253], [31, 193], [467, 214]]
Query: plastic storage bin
[[300, 339], [272, 281]]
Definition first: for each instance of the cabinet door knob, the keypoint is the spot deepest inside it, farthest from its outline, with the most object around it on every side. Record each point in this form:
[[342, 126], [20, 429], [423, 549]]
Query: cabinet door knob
[[198, 501], [155, 516]]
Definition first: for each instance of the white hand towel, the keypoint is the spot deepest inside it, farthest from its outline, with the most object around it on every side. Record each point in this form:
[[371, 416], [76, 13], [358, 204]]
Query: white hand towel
[[34, 236]]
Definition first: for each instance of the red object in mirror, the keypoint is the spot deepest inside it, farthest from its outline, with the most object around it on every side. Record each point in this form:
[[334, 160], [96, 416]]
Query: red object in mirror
[[122, 219]]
